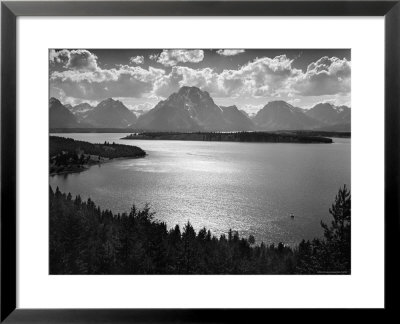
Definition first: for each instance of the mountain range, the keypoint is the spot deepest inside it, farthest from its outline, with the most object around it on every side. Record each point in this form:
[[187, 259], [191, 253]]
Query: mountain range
[[191, 109], [108, 113]]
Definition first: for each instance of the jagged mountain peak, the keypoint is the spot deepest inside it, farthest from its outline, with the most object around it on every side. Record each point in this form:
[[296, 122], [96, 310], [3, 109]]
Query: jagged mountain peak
[[342, 108], [324, 106], [110, 101], [327, 106], [83, 105], [329, 114], [189, 109], [278, 104], [190, 94], [80, 110], [110, 113], [185, 90], [53, 101], [280, 115], [60, 116]]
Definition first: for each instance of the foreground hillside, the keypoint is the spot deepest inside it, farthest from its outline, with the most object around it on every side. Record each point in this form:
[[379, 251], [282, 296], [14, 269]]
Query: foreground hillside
[[87, 240]]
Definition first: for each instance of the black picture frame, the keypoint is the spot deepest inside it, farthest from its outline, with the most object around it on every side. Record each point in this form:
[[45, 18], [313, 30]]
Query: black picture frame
[[9, 13]]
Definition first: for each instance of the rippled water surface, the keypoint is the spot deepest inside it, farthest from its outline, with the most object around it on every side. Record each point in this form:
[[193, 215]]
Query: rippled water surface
[[249, 187]]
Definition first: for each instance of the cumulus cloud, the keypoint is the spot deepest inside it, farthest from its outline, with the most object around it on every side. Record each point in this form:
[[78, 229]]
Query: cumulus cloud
[[123, 87], [85, 79], [252, 109], [58, 56], [173, 57], [230, 52], [77, 60], [261, 77], [327, 76], [82, 60], [205, 79], [77, 101], [264, 77], [153, 57], [141, 107], [294, 101], [136, 60], [103, 75]]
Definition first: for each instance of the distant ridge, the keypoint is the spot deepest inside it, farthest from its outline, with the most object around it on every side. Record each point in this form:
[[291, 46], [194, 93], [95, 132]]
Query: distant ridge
[[279, 115]]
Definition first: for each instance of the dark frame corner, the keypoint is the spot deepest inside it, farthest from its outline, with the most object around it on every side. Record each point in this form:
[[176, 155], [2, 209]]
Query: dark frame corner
[[9, 13]]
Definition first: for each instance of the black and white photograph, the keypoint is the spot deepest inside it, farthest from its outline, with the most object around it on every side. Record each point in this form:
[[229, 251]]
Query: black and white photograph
[[199, 161]]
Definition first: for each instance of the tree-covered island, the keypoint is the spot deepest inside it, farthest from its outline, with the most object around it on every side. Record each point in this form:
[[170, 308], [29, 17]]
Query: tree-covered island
[[263, 137], [68, 155]]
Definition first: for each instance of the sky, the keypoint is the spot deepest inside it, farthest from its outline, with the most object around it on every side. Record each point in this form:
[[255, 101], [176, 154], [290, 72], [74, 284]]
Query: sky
[[247, 78]]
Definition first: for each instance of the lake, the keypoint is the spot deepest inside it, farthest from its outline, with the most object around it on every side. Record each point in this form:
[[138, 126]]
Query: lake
[[249, 187]]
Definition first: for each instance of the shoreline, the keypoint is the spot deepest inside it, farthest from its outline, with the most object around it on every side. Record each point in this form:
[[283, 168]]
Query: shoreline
[[71, 156], [86, 167]]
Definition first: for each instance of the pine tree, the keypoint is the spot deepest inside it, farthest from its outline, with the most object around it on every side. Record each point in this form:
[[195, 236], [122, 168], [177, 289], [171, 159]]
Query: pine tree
[[338, 234]]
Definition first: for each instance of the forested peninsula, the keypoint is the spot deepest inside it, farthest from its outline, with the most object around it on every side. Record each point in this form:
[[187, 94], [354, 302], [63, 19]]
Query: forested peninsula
[[68, 155], [264, 137]]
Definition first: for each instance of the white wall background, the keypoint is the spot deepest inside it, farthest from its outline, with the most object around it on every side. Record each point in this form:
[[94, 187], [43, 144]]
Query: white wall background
[[363, 288]]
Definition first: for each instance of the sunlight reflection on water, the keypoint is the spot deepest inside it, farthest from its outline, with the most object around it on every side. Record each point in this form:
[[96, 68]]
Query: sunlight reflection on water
[[249, 187]]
